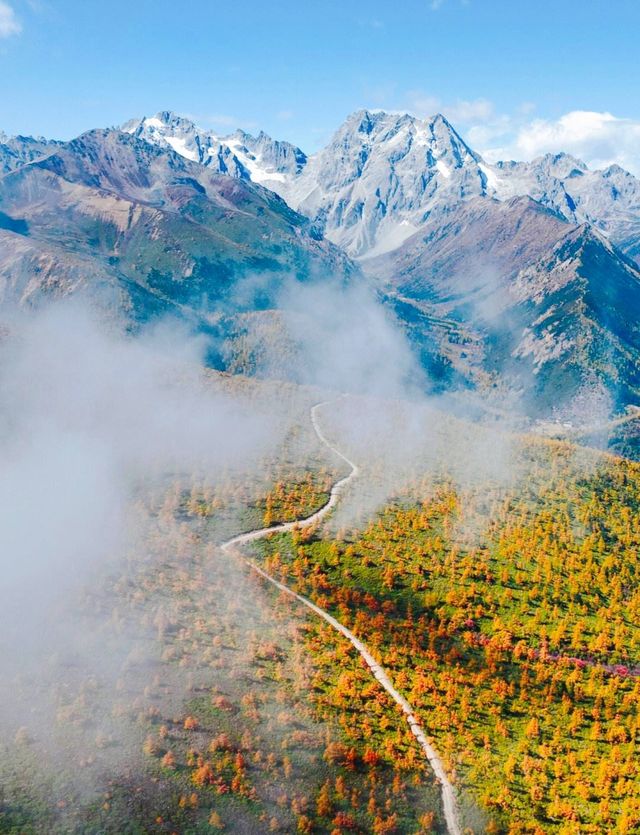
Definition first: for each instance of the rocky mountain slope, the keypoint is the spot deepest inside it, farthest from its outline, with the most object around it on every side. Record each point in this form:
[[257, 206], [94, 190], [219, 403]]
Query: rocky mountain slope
[[504, 276], [149, 230], [376, 182], [544, 308], [261, 159], [609, 200], [19, 150], [382, 174]]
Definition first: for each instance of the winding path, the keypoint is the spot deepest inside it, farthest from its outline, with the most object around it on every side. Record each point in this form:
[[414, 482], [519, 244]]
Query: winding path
[[449, 804]]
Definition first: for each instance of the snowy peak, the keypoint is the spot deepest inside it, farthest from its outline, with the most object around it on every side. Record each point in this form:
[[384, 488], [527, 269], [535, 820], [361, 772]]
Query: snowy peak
[[609, 200], [167, 129], [381, 175], [261, 159], [377, 135], [269, 161]]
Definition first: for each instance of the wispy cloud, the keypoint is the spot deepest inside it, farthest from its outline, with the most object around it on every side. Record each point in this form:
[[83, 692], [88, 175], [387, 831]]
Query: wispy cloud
[[371, 23], [9, 23], [219, 119], [434, 5], [214, 121], [463, 111], [598, 138]]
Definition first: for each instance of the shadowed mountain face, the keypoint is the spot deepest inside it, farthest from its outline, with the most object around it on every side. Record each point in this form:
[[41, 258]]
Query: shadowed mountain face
[[521, 298], [19, 150], [149, 230]]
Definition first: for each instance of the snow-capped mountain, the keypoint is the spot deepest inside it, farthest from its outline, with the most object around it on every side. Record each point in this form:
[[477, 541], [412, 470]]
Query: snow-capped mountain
[[268, 160], [166, 129], [375, 183], [378, 180], [492, 270], [264, 160], [607, 199], [145, 231], [369, 189], [382, 175]]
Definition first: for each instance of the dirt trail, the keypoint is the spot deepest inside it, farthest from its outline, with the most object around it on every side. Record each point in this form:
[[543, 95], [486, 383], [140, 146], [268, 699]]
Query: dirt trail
[[449, 804]]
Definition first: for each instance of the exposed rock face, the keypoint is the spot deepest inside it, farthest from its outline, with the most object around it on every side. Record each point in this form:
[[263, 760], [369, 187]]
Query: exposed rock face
[[258, 158], [111, 211], [541, 304], [382, 175], [505, 276], [19, 150]]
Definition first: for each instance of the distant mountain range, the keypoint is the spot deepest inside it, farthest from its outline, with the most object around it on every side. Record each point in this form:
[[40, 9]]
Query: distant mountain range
[[380, 177], [516, 279]]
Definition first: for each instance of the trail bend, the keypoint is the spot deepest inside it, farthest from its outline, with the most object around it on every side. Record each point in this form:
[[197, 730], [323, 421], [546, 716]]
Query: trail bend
[[449, 803]]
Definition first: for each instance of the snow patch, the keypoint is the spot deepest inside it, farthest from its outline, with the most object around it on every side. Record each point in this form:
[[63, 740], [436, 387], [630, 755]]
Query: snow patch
[[421, 136], [180, 147], [252, 164], [493, 181], [153, 122]]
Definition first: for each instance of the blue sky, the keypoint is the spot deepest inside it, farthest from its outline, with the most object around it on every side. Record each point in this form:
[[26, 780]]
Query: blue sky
[[506, 72]]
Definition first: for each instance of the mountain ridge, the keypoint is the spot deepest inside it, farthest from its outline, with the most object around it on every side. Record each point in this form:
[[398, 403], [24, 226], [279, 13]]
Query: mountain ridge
[[413, 165], [382, 173], [150, 229], [497, 291], [547, 306]]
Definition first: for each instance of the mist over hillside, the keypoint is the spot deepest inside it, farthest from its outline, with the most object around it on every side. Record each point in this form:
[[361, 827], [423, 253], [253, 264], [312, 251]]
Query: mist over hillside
[[508, 280], [298, 527], [319, 418]]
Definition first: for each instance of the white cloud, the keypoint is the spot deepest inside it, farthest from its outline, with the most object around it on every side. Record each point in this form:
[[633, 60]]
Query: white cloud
[[9, 23], [469, 111], [597, 138], [492, 136], [219, 121], [600, 139], [371, 23]]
